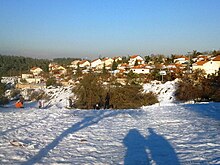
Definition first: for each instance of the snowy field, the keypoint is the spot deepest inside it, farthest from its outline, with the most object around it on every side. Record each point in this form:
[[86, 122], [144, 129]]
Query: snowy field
[[162, 134], [178, 134]]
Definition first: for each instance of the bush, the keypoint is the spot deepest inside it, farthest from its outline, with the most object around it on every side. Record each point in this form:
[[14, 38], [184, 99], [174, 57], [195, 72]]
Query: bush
[[130, 96], [199, 89], [186, 91], [15, 93], [2, 88], [37, 95], [89, 91], [3, 100], [52, 82]]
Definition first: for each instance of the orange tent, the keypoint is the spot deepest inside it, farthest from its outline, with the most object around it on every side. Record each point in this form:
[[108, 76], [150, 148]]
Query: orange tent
[[18, 104]]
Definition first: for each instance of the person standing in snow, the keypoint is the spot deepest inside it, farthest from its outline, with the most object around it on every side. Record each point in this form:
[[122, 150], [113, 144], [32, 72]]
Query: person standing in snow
[[107, 99], [70, 103], [39, 104], [21, 99]]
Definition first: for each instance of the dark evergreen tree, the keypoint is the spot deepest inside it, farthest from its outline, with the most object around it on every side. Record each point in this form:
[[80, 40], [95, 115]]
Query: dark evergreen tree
[[114, 65], [136, 63]]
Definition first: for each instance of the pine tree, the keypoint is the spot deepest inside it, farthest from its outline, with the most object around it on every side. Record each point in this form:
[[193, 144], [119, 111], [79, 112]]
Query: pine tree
[[114, 65], [136, 63]]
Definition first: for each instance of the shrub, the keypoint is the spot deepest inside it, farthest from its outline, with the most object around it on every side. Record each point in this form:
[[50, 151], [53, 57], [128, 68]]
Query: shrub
[[88, 91], [15, 93], [186, 91], [52, 82], [39, 94], [3, 100], [198, 89], [2, 88], [130, 96]]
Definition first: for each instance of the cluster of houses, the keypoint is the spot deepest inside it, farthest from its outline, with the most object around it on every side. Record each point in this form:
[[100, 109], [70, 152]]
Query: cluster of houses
[[136, 64]]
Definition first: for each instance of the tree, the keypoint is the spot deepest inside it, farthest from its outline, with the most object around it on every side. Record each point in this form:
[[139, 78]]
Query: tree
[[147, 59], [3, 99], [89, 91], [130, 96], [132, 77], [136, 63], [114, 65], [51, 81], [78, 71], [104, 71], [2, 88]]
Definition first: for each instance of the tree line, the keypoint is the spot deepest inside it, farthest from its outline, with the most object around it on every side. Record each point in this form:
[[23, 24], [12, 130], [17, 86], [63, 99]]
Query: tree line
[[15, 65]]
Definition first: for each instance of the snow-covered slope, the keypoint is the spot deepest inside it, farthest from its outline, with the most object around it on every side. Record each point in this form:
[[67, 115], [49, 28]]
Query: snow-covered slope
[[164, 91], [59, 96], [181, 134]]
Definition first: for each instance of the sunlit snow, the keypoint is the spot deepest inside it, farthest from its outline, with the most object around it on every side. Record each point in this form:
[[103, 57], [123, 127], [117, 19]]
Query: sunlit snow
[[166, 133]]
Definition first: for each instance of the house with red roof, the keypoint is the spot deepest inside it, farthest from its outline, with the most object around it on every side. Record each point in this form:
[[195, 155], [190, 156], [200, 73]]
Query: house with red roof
[[135, 58], [107, 61], [181, 59], [84, 64], [74, 64], [36, 71], [95, 63], [217, 60], [210, 67], [141, 69]]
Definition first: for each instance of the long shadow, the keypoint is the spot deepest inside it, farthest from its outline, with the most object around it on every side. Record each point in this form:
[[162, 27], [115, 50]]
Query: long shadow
[[136, 149], [87, 121], [161, 150]]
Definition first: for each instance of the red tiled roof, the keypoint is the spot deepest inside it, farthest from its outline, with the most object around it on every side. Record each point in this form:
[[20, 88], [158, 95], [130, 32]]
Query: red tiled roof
[[34, 68], [139, 66], [134, 56], [124, 64], [217, 58], [201, 62], [95, 60], [82, 62]]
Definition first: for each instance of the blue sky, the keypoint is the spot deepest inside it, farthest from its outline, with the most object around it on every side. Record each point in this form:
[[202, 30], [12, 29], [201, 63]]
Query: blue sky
[[93, 28]]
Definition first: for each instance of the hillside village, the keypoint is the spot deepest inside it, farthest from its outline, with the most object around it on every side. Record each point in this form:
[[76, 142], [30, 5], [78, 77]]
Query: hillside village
[[142, 69]]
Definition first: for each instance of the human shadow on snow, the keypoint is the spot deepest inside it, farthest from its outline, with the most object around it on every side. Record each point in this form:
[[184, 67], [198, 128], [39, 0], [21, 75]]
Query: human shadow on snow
[[136, 148], [86, 122], [159, 149]]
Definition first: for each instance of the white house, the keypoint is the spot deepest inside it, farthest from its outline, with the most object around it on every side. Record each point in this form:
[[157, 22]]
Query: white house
[[84, 64], [181, 60], [25, 76], [210, 67], [217, 60], [135, 58], [29, 79], [95, 63], [74, 64], [107, 61], [36, 71], [53, 66], [141, 69], [123, 66]]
